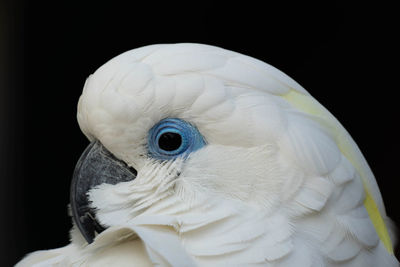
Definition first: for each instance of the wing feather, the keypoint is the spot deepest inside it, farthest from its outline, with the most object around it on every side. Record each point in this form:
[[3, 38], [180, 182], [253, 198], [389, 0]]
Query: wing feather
[[373, 201]]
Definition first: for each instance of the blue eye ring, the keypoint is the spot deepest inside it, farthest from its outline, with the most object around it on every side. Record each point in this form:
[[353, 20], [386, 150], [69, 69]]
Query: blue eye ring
[[173, 137]]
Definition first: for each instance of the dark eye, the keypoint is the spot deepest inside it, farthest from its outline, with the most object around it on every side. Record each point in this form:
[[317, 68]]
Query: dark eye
[[170, 141], [173, 137]]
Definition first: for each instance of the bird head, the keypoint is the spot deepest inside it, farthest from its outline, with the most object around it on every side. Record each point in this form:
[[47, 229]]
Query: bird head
[[185, 120], [200, 139]]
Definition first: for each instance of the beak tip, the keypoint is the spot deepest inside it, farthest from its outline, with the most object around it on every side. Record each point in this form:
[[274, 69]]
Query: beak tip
[[88, 225]]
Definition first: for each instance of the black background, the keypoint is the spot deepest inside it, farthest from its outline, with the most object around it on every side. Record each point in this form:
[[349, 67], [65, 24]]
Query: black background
[[345, 56]]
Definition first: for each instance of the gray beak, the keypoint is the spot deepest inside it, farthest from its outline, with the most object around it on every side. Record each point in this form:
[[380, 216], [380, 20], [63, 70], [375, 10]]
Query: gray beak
[[96, 166]]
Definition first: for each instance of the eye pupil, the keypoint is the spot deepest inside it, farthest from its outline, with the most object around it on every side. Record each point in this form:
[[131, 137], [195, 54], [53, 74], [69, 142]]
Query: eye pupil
[[170, 141]]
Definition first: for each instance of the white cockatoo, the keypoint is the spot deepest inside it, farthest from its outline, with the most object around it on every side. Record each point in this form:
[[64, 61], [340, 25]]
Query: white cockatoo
[[201, 156]]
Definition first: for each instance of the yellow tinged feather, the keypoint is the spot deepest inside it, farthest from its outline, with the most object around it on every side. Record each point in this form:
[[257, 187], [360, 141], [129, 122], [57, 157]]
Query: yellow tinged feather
[[310, 106], [377, 221]]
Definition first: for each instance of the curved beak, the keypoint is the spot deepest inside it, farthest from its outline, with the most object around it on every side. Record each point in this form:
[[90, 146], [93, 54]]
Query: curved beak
[[95, 166]]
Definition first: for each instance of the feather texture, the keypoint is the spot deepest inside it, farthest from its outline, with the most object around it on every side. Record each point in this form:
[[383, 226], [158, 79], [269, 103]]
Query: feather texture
[[279, 183]]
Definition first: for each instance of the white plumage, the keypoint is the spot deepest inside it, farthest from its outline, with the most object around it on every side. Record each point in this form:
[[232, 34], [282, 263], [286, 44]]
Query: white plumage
[[279, 183]]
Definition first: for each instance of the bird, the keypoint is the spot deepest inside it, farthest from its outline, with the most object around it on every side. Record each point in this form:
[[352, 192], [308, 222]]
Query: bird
[[202, 156]]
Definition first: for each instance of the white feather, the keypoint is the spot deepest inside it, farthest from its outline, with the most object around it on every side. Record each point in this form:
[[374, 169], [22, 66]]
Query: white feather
[[276, 184]]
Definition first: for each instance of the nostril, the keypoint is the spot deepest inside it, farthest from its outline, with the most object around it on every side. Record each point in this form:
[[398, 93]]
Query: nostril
[[110, 155]]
